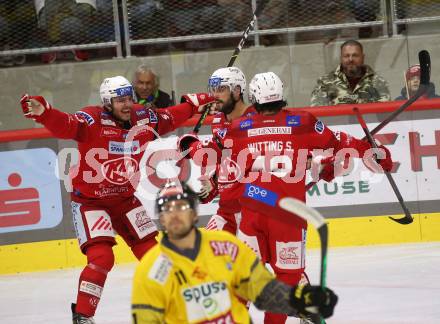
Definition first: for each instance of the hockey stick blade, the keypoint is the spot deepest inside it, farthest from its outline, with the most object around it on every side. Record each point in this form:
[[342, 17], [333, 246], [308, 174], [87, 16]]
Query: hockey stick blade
[[234, 56], [404, 220], [300, 209], [425, 67], [311, 215], [407, 219]]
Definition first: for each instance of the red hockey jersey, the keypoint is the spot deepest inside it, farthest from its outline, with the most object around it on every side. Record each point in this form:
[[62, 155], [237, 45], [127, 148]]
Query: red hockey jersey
[[268, 155], [110, 153], [219, 125]]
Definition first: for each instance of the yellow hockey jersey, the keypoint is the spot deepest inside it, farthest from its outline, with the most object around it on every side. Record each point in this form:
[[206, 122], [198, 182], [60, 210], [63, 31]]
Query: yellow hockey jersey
[[170, 287]]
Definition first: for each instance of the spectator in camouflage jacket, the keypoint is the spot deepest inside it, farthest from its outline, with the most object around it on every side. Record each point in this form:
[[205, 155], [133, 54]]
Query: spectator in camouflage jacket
[[351, 82]]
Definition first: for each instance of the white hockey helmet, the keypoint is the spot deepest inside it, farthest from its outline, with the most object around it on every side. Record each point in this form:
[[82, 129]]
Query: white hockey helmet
[[228, 76], [265, 87], [117, 86]]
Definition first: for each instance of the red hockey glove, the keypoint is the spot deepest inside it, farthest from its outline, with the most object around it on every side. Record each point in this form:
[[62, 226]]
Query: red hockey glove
[[385, 162], [198, 100], [313, 300], [322, 168], [186, 141], [328, 169], [33, 106], [209, 189]]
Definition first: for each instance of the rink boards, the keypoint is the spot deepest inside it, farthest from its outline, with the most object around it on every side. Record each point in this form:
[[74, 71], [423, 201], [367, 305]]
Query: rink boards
[[36, 231], [353, 231]]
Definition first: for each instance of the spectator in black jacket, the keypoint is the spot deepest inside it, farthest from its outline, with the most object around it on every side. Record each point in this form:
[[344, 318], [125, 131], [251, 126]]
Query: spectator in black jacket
[[412, 82], [66, 23], [146, 85]]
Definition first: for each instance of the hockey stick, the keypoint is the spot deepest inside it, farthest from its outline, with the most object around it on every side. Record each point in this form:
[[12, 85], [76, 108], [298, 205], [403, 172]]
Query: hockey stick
[[234, 56], [425, 75], [173, 97], [407, 219], [312, 216]]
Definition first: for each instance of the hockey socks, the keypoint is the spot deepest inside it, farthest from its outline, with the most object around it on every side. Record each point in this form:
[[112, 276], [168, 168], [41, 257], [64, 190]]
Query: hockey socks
[[91, 281]]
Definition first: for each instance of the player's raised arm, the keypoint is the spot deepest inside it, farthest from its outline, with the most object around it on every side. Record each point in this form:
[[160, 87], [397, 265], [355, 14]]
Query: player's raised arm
[[340, 143], [60, 124], [172, 117]]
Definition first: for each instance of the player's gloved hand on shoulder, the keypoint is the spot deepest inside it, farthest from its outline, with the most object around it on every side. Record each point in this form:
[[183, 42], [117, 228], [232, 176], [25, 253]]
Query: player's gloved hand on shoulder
[[208, 191], [383, 159], [311, 301], [33, 106], [186, 141], [198, 100], [322, 168], [386, 163]]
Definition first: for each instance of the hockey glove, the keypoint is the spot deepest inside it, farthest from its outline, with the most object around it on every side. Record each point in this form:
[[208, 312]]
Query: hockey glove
[[383, 159], [323, 168], [209, 189], [34, 106], [198, 100], [310, 301], [186, 141], [386, 163]]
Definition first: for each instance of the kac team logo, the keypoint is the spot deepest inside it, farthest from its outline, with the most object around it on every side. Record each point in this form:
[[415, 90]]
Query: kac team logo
[[119, 171]]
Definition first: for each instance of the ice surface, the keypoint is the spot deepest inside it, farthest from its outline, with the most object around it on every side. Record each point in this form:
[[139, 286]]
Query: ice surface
[[392, 284]]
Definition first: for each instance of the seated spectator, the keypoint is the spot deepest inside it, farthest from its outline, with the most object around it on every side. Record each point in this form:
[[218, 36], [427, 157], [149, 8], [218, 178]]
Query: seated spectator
[[146, 85], [232, 13], [365, 11], [368, 10], [351, 82], [146, 19], [412, 82], [17, 23], [65, 22], [195, 17]]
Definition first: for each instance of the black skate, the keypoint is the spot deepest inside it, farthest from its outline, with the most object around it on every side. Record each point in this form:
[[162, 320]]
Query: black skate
[[80, 319]]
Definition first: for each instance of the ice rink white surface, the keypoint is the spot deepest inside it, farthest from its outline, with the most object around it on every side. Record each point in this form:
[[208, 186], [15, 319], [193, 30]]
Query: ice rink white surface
[[376, 284]]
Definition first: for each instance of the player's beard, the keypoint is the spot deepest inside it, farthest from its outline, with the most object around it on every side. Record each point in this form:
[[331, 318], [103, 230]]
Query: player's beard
[[229, 105], [183, 232], [111, 110]]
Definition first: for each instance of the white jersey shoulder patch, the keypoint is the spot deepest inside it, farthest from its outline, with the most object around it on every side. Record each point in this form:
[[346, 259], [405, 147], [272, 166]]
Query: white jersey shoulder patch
[[161, 269]]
